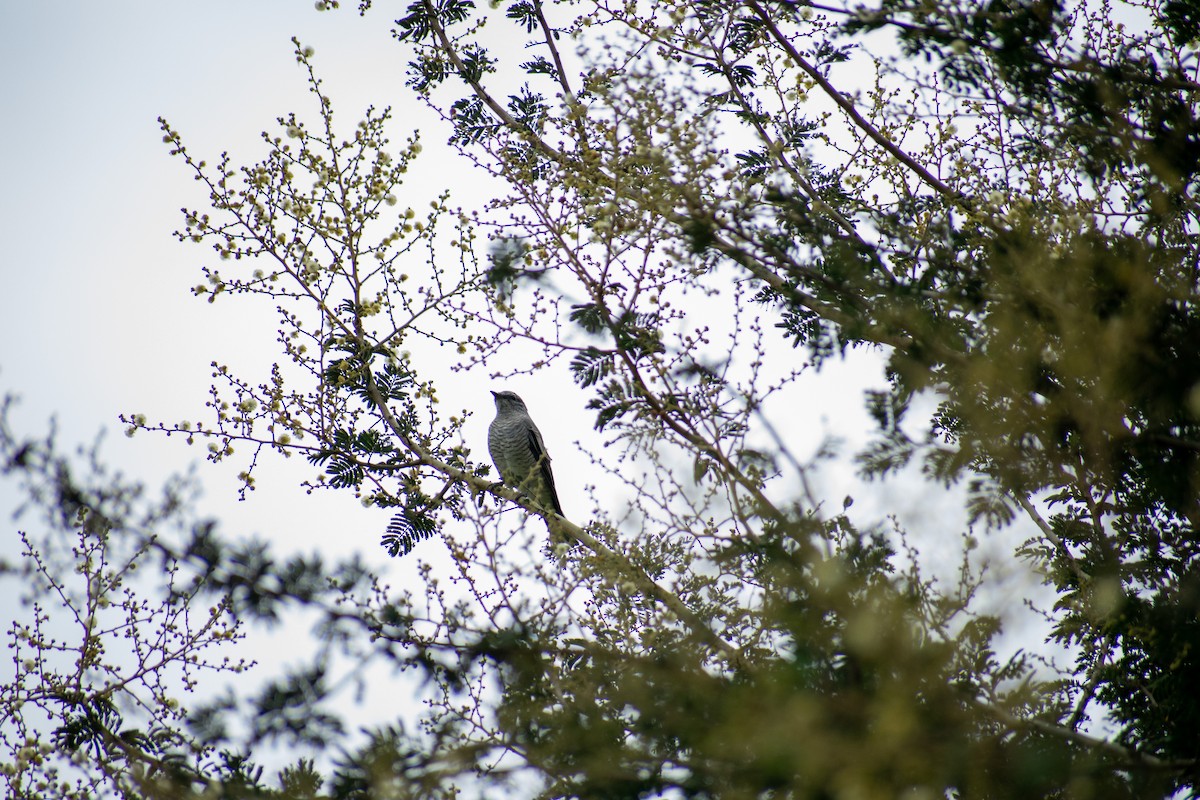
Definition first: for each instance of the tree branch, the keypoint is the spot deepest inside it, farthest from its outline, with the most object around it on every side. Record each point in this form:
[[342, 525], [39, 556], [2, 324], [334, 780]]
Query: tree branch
[[1081, 577], [1128, 757], [848, 106]]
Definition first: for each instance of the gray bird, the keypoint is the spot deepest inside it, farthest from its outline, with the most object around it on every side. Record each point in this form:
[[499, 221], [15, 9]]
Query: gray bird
[[515, 444]]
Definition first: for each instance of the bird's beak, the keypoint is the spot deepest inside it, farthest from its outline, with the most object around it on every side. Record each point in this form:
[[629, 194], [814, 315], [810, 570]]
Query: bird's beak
[[494, 394]]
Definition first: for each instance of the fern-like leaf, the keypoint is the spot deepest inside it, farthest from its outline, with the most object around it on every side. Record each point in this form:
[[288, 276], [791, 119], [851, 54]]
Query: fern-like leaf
[[406, 530]]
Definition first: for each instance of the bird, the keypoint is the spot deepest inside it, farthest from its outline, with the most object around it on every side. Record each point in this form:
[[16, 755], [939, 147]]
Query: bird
[[520, 456]]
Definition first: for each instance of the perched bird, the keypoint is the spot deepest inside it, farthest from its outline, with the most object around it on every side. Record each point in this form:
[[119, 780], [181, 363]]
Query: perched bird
[[515, 444]]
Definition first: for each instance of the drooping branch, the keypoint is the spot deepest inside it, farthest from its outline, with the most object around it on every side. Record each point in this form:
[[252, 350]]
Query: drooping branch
[[847, 105], [1127, 757]]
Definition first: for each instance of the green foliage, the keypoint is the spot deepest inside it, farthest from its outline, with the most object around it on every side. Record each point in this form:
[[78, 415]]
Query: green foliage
[[407, 529]]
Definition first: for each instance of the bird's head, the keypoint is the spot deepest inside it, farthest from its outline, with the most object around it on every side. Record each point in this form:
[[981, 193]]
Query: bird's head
[[509, 400]]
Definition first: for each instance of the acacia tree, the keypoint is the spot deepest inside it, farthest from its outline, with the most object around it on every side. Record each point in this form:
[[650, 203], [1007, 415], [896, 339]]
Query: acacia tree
[[1009, 221], [102, 654]]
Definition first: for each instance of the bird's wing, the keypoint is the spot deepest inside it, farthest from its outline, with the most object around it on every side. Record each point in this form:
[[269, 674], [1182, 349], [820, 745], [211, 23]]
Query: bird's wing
[[538, 448]]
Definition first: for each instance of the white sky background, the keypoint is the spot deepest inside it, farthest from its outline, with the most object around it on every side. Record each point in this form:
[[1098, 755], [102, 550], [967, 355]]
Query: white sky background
[[97, 314]]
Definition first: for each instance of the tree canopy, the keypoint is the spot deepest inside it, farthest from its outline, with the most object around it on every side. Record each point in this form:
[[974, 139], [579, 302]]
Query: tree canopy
[[698, 207]]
